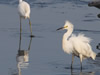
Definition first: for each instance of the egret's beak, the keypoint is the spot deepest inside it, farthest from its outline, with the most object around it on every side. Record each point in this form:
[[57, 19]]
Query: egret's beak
[[60, 28]]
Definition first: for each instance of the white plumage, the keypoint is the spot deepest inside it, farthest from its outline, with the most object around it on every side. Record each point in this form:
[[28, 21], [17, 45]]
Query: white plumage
[[76, 45]]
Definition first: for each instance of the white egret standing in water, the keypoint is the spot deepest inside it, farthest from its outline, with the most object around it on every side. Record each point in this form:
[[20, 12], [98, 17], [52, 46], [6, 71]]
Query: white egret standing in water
[[24, 12], [76, 45]]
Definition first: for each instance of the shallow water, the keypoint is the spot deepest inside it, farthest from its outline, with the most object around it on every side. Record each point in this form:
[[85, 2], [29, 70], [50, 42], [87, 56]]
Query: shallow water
[[46, 56]]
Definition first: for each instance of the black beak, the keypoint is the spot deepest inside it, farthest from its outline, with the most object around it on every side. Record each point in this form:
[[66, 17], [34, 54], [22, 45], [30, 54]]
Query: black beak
[[59, 28]]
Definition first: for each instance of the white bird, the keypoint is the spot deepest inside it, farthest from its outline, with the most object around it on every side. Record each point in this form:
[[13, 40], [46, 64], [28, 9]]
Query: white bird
[[24, 12], [76, 45]]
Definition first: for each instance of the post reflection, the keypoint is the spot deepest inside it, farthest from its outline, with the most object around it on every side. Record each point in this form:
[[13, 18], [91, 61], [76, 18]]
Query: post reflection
[[82, 73], [22, 57]]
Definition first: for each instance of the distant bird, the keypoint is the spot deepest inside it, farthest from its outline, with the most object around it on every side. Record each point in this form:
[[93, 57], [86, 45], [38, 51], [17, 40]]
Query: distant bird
[[24, 12], [76, 45], [95, 4]]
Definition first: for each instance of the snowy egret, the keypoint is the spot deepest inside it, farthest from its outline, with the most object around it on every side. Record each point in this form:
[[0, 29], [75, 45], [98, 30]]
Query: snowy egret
[[24, 12], [76, 45]]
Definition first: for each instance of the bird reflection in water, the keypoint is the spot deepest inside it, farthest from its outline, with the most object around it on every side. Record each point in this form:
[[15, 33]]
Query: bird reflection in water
[[97, 61], [82, 73], [22, 57]]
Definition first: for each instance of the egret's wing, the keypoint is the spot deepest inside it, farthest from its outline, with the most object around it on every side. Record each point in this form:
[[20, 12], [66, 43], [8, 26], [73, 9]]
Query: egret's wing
[[26, 7], [81, 37], [21, 10], [81, 44]]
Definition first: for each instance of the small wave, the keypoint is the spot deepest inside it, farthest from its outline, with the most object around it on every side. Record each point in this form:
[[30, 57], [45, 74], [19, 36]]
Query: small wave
[[83, 30], [91, 20], [43, 3]]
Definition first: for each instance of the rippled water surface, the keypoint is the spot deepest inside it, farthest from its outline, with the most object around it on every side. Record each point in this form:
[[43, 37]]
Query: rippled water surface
[[43, 54]]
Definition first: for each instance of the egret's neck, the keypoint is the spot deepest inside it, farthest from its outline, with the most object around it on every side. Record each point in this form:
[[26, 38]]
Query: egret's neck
[[67, 34], [20, 1], [65, 41]]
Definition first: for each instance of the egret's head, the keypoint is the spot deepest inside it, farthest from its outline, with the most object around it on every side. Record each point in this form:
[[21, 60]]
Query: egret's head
[[20, 1], [68, 25]]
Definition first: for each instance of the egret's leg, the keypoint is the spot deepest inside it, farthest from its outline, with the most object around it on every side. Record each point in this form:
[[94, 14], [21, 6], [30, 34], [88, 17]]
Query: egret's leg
[[20, 34], [20, 26], [72, 72], [30, 26], [20, 43], [81, 60], [72, 61]]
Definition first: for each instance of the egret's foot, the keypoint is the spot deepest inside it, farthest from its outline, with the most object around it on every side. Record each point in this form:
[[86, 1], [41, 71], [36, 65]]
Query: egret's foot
[[81, 68], [32, 36]]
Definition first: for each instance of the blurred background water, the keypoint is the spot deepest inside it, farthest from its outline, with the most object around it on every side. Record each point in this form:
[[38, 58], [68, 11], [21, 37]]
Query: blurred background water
[[46, 56], [43, 2]]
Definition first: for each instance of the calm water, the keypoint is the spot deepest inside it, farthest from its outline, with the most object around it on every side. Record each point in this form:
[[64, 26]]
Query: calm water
[[44, 54]]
